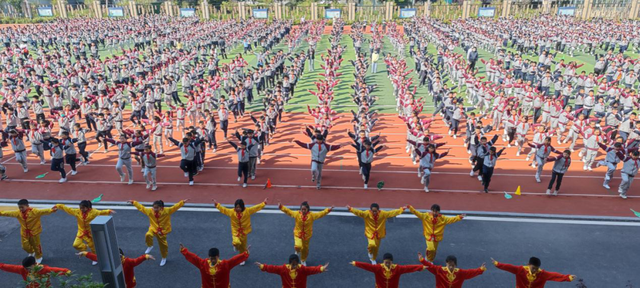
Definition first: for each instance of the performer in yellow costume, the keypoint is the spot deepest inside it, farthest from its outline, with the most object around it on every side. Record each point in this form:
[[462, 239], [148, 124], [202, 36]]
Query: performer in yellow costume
[[240, 222], [433, 224], [30, 226], [303, 229], [84, 215], [375, 222], [159, 225]]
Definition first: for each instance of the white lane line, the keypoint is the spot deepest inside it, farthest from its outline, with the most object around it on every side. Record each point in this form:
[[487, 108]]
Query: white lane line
[[309, 187], [404, 216], [414, 171]]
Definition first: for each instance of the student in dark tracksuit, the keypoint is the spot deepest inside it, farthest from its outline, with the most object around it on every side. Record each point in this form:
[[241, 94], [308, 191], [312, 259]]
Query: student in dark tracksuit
[[188, 154], [243, 160], [488, 165], [482, 149], [70, 151], [365, 156], [560, 166], [57, 158]]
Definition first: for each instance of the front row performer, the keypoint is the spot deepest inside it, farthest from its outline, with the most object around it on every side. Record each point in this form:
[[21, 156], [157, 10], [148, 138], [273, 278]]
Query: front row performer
[[450, 276], [293, 275], [531, 276], [213, 271], [388, 274]]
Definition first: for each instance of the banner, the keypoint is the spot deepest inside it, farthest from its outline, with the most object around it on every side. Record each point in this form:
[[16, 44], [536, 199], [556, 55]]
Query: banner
[[568, 11], [407, 12], [487, 12], [332, 13], [45, 11], [187, 12], [116, 12], [260, 13]]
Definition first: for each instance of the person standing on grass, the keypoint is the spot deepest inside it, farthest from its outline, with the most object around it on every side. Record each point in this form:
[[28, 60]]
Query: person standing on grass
[[188, 154], [240, 222], [213, 271], [560, 166], [388, 274], [159, 225], [375, 226], [294, 274], [319, 151], [243, 160], [433, 224], [124, 156], [450, 276], [488, 165], [531, 276]]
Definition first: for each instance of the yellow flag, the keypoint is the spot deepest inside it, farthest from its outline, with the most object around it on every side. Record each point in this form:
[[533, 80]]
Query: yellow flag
[[518, 191]]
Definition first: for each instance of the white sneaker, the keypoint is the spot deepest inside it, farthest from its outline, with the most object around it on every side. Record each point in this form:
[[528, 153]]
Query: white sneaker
[[370, 256], [94, 263], [25, 170], [190, 183], [39, 260], [555, 192], [253, 177], [365, 186], [479, 178], [304, 263], [426, 189], [122, 178], [421, 180], [214, 150], [148, 250], [154, 188], [450, 132], [414, 162], [373, 262], [454, 136], [538, 179], [623, 196], [32, 254], [130, 181], [589, 168], [43, 162], [559, 142], [238, 179], [258, 160], [584, 167], [242, 264], [419, 175], [606, 177], [62, 180], [528, 158], [518, 153], [244, 185], [186, 174], [471, 173], [606, 186], [580, 154], [148, 186], [163, 262], [509, 145], [548, 192]]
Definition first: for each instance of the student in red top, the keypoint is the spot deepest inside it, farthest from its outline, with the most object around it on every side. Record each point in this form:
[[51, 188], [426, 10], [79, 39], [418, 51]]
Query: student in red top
[[32, 272], [531, 276], [128, 265], [213, 271], [388, 274], [293, 275], [450, 276]]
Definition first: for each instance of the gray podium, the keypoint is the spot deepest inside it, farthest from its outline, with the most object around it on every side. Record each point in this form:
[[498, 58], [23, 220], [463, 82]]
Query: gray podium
[[106, 242]]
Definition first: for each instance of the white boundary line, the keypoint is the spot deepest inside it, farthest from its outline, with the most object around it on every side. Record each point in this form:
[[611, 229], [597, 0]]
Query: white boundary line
[[350, 170], [404, 216], [310, 187]]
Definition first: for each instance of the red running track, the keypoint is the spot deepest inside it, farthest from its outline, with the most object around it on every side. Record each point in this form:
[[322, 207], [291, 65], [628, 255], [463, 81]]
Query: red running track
[[287, 166]]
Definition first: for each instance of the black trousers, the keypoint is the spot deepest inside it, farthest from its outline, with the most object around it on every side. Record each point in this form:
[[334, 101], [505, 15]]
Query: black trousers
[[71, 160], [479, 165], [555, 174], [243, 170], [58, 165], [366, 170], [83, 152], [189, 166], [487, 173]]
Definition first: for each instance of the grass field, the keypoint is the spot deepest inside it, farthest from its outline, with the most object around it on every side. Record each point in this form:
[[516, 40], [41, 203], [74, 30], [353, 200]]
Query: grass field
[[384, 91]]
